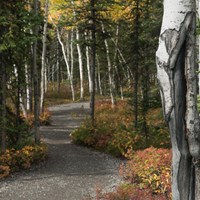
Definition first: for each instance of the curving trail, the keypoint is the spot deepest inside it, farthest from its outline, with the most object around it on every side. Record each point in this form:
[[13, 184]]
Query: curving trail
[[70, 172]]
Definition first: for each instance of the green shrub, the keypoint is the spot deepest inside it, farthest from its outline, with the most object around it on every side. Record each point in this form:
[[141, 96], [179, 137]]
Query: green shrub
[[84, 135]]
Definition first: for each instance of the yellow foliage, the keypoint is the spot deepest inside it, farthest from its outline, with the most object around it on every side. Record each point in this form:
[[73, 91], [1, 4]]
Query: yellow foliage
[[13, 160]]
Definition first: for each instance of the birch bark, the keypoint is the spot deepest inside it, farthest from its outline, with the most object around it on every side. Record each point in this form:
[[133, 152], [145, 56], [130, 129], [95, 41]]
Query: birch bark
[[27, 76], [111, 82], [80, 61], [72, 53], [88, 63], [67, 64], [176, 73], [43, 69]]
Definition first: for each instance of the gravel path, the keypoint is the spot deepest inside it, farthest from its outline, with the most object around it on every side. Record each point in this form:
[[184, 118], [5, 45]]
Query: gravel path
[[70, 172]]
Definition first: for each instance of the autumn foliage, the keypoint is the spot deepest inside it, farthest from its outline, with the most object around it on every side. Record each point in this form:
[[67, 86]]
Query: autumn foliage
[[147, 177], [13, 160], [114, 132], [150, 168], [44, 118], [147, 173]]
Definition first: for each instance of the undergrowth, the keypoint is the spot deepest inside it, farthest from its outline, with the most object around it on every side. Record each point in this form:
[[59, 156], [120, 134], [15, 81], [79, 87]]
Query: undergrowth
[[21, 150], [147, 177], [147, 172], [13, 160], [114, 132]]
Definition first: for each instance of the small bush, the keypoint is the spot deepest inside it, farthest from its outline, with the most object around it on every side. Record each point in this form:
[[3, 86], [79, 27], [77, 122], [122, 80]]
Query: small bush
[[150, 168], [44, 118], [14, 160]]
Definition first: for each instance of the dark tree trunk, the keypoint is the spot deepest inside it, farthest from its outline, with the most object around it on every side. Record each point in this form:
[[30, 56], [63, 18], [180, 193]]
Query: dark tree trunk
[[136, 63], [2, 94], [93, 60], [2, 104], [36, 79]]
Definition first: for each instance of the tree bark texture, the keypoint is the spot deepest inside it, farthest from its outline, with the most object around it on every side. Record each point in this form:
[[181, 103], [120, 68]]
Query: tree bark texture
[[36, 79], [2, 104], [80, 61], [28, 80], [2, 94], [176, 73], [88, 63], [136, 64], [43, 69], [93, 59]]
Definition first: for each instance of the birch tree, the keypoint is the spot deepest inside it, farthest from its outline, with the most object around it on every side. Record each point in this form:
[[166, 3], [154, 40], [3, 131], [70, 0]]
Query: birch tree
[[88, 63], [176, 72], [80, 61], [111, 82], [43, 69]]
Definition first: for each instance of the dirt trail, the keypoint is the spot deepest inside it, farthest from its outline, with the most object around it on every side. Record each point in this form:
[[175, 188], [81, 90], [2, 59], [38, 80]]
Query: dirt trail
[[71, 171]]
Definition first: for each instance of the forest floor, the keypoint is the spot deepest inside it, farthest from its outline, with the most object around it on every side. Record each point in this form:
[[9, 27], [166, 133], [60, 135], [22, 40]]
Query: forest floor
[[70, 171]]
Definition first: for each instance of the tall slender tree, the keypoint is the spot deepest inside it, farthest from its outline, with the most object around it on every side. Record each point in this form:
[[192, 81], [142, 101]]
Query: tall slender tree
[[2, 100], [36, 76], [93, 58], [43, 68]]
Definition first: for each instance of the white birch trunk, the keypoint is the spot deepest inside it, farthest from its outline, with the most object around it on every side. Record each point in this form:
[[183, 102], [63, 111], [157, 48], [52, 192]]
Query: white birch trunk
[[27, 88], [176, 72], [123, 61], [43, 68], [198, 40], [115, 61], [45, 80], [111, 83], [88, 64], [80, 61], [67, 65], [72, 53]]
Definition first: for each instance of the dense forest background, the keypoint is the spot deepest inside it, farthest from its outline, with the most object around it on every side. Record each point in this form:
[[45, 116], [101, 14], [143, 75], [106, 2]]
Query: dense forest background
[[77, 48]]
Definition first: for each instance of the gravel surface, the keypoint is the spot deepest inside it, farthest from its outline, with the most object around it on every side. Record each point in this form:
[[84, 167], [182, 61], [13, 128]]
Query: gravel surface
[[71, 172]]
